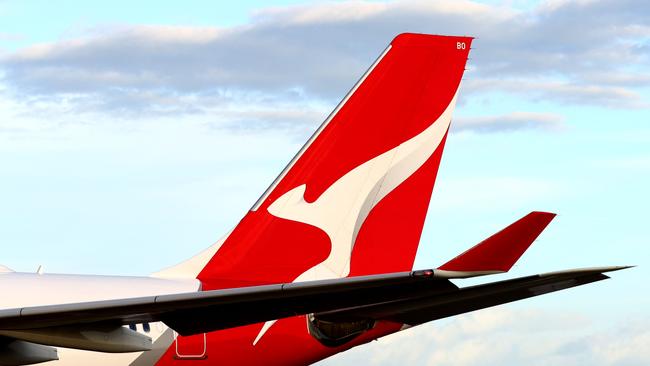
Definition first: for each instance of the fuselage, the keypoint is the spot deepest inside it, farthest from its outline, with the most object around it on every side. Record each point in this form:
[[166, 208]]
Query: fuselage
[[33, 289]]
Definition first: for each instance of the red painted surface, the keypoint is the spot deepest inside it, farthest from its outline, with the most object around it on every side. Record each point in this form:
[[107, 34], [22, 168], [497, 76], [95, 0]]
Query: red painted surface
[[500, 251], [406, 92]]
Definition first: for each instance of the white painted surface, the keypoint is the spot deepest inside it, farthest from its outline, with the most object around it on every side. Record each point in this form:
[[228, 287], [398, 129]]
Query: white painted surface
[[31, 289], [193, 266], [344, 206]]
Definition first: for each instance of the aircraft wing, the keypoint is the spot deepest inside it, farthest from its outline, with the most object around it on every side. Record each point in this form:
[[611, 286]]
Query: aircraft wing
[[420, 310], [197, 312], [411, 297]]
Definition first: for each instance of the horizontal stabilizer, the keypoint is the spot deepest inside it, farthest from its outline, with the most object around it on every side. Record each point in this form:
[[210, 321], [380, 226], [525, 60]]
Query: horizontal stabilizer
[[498, 253]]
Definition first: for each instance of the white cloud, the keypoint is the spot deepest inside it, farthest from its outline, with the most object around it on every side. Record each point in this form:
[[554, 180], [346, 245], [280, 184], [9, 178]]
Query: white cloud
[[605, 93], [510, 122], [508, 336], [319, 50]]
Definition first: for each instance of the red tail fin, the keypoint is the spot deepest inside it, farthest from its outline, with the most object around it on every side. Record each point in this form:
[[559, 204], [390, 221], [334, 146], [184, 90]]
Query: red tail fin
[[353, 200]]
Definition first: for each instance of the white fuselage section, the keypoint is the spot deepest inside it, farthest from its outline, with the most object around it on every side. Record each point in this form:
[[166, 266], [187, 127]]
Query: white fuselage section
[[32, 289]]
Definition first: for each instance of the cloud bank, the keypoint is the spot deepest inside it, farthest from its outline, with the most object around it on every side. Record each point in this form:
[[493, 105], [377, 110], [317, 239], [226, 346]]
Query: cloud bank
[[508, 336], [510, 122], [307, 57]]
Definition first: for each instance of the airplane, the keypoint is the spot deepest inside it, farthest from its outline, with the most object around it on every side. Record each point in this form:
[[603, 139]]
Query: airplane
[[321, 263]]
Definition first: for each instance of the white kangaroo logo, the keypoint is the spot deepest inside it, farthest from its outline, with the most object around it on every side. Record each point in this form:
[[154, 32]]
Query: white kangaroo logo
[[341, 210]]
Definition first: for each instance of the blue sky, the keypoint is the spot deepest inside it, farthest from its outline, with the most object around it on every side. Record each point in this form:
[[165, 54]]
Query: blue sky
[[132, 136]]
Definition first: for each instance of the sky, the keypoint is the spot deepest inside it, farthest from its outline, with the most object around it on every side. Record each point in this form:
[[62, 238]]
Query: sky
[[134, 135]]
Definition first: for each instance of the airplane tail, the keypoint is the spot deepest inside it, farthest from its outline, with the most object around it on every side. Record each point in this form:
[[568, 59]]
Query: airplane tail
[[354, 199]]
